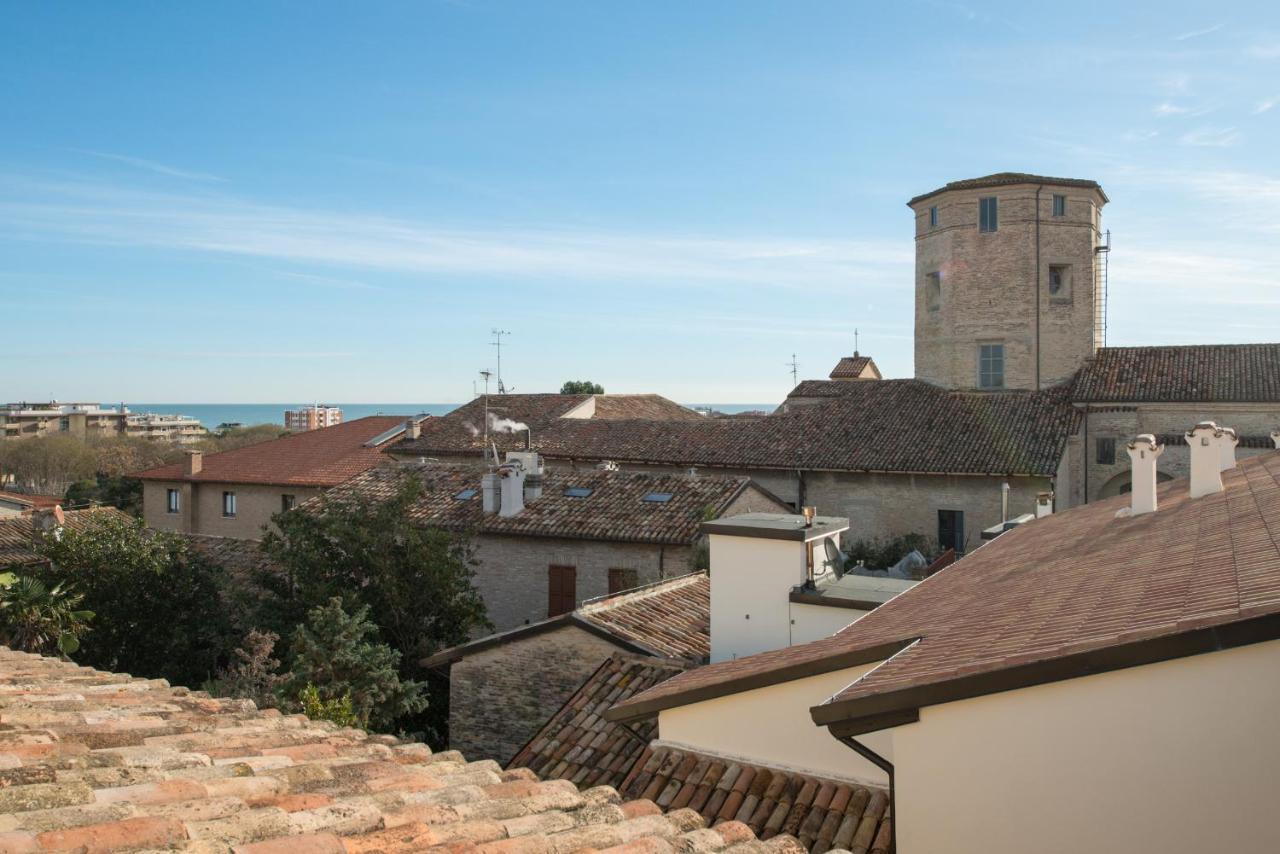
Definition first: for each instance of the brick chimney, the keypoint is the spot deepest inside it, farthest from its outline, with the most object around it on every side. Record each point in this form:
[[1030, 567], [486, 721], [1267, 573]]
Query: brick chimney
[[1143, 452], [1205, 441], [194, 463], [412, 428]]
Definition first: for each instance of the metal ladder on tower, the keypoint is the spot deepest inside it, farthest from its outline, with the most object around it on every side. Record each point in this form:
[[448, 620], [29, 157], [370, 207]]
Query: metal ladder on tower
[[1101, 255]]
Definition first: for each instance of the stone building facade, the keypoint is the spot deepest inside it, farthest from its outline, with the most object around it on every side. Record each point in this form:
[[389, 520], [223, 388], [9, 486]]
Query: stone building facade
[[1007, 263]]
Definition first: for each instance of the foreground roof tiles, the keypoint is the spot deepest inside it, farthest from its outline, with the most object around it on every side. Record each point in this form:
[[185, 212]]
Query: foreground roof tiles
[[1075, 583], [578, 744], [1209, 373], [17, 544], [319, 458], [100, 762], [615, 508], [823, 814]]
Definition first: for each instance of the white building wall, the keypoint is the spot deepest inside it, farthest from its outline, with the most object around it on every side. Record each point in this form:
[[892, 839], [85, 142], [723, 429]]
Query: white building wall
[[1180, 757], [814, 622], [751, 581]]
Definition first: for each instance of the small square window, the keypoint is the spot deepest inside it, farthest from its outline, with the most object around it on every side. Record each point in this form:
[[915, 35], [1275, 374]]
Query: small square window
[[465, 495], [288, 502], [988, 214], [577, 492], [991, 366], [1059, 205], [229, 505], [933, 217], [933, 289], [1106, 453], [173, 500], [658, 497]]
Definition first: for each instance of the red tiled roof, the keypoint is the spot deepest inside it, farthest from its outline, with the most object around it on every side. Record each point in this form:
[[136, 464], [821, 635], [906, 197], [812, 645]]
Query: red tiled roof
[[32, 501], [578, 745], [324, 457], [1004, 179], [852, 367], [823, 814], [16, 545], [1202, 373], [104, 762], [1074, 583], [615, 509]]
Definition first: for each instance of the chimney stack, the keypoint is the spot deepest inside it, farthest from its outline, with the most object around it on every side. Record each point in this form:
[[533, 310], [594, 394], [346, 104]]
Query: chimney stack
[[534, 469], [195, 463], [46, 523], [1275, 437], [1227, 447], [489, 491], [1044, 504], [1143, 452], [412, 428], [511, 479], [1206, 458]]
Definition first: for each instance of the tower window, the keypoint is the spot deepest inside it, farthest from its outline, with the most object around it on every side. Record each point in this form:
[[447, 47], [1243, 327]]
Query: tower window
[[1059, 205], [1106, 451], [988, 214], [933, 217], [991, 366], [933, 289], [1060, 281]]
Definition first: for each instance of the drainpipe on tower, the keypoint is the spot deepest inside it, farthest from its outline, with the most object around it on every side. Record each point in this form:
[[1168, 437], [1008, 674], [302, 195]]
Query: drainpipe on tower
[[1037, 281]]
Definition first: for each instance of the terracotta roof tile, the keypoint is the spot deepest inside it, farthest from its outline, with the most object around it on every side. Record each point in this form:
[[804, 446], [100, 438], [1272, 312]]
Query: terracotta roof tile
[[1209, 373], [188, 771], [321, 458], [17, 547], [1078, 581], [852, 368]]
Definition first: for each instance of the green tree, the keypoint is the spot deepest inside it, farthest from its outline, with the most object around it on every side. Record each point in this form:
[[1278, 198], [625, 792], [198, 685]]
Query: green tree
[[46, 465], [160, 612], [37, 618], [241, 437], [254, 673], [336, 657], [581, 387]]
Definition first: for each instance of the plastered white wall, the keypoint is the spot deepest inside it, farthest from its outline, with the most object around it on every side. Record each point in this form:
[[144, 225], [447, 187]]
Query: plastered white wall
[[751, 581]]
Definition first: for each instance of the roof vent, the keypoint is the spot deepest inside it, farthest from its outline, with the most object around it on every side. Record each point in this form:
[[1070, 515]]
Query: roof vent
[[1143, 452], [1206, 439]]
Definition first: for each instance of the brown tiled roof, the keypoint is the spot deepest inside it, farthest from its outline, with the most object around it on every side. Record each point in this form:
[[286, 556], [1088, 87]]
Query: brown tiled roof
[[851, 367], [615, 407], [240, 558], [615, 509], [1065, 588], [16, 545], [579, 745], [823, 814], [885, 426], [1003, 179], [321, 458], [32, 501], [101, 762], [669, 619], [1202, 373]]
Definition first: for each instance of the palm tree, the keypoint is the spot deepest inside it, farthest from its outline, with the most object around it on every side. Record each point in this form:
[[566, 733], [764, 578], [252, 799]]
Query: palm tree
[[36, 618]]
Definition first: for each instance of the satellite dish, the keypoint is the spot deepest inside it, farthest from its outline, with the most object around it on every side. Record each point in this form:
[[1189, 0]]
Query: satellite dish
[[835, 558]]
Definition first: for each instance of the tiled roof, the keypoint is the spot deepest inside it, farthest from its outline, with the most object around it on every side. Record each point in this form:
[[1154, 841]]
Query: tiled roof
[[30, 501], [240, 558], [1003, 179], [321, 458], [1074, 583], [615, 509], [823, 814], [1202, 373], [670, 619], [885, 426], [579, 745], [852, 367], [102, 762], [615, 407], [16, 545]]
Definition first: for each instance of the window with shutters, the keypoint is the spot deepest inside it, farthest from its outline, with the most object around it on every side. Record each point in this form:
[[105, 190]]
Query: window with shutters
[[562, 589], [622, 579]]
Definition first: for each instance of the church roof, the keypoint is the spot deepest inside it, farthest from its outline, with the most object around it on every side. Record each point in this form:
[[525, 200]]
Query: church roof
[[1199, 373]]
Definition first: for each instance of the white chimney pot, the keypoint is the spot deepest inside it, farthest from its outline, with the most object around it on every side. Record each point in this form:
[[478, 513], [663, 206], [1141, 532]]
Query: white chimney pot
[[511, 478], [1227, 446], [1275, 437], [1143, 453], [489, 491], [1206, 458]]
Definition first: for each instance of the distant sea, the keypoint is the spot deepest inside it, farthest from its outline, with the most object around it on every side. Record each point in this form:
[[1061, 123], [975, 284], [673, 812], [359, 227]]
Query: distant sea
[[248, 414]]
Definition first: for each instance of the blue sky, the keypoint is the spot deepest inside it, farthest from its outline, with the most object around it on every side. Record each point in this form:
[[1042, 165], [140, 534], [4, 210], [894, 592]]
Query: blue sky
[[337, 201]]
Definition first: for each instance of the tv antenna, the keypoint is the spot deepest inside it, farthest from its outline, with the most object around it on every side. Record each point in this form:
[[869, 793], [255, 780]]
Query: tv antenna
[[855, 341], [795, 371], [497, 344]]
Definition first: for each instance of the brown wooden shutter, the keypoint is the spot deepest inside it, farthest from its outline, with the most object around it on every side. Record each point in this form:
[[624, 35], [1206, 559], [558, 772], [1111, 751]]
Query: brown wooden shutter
[[562, 589]]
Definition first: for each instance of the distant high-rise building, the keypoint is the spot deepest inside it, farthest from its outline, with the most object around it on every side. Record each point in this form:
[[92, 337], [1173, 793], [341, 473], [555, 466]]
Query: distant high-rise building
[[312, 417]]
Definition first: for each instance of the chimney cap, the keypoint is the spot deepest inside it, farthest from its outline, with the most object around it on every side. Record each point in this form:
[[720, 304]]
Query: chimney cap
[[776, 526], [1144, 439]]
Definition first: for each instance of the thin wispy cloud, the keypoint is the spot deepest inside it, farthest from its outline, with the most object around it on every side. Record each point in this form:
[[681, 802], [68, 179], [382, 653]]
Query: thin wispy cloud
[[1167, 109], [1211, 137], [1265, 50], [153, 166], [110, 215], [1195, 34], [328, 281], [1265, 106]]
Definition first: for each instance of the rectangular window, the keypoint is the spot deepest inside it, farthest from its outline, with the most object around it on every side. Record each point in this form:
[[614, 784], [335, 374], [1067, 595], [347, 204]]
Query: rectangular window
[[933, 290], [229, 505], [951, 530], [1106, 454], [991, 366], [988, 214], [1059, 205], [1060, 281], [562, 589], [288, 502], [173, 499], [622, 579], [933, 217]]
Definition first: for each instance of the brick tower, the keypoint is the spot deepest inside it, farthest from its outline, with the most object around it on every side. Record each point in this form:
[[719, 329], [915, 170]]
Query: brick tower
[[1008, 289]]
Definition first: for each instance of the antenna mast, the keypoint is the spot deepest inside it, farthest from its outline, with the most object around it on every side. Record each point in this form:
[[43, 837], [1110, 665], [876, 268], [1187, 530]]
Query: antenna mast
[[497, 343], [795, 371], [855, 342], [486, 375]]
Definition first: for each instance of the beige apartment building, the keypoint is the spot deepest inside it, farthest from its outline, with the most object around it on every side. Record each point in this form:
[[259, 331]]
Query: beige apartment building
[[92, 420], [312, 418]]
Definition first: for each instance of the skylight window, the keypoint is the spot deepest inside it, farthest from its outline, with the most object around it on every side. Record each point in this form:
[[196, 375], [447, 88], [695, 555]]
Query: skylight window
[[658, 497], [466, 495], [577, 492]]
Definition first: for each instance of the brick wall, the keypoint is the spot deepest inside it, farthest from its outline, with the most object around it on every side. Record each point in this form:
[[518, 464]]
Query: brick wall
[[499, 697]]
